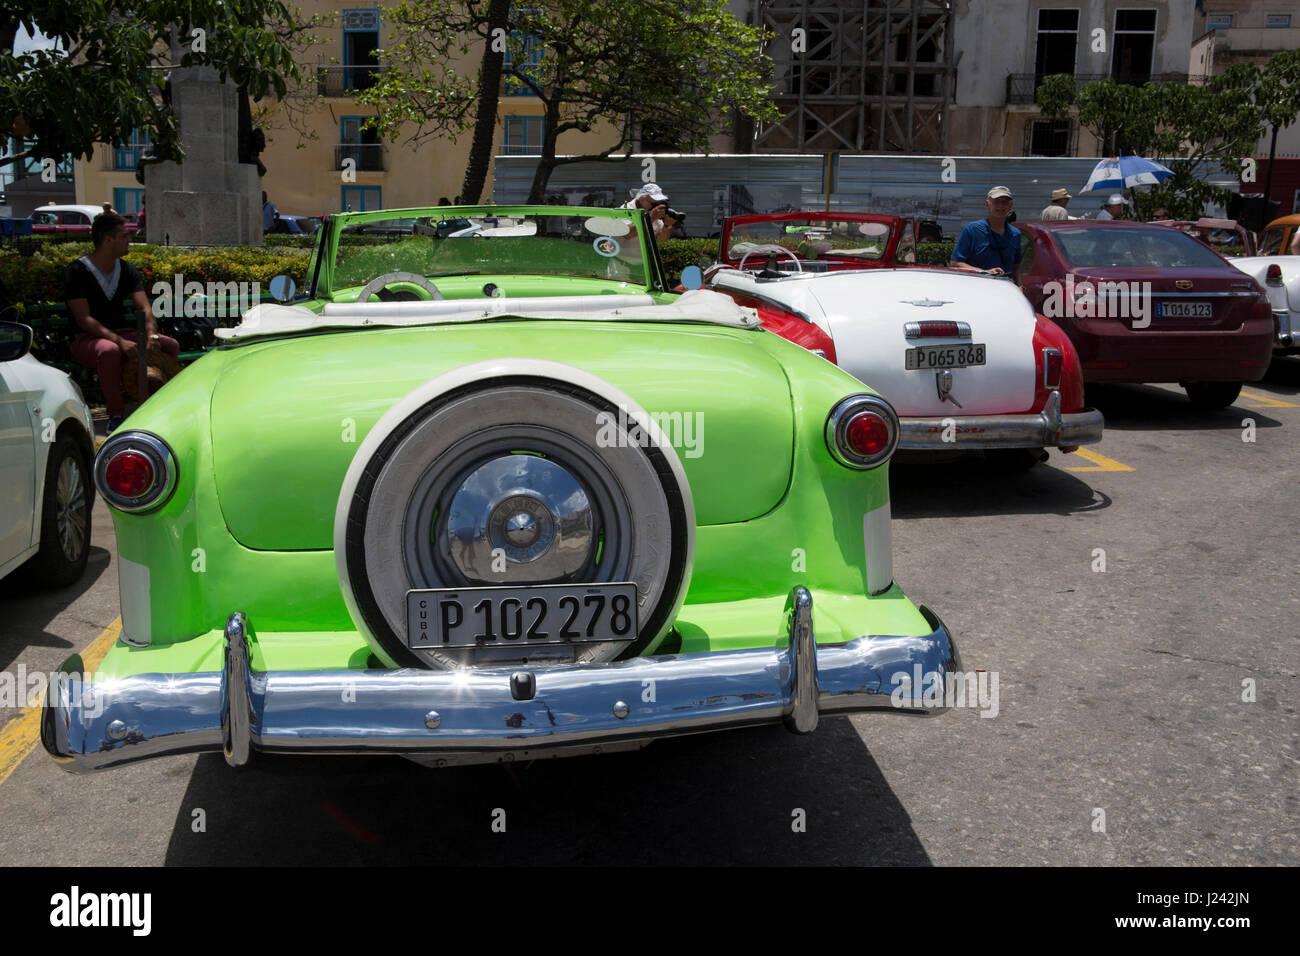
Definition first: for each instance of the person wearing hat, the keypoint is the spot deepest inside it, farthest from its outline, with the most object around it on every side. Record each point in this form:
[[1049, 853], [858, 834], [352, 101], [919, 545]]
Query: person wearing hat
[[1113, 208], [991, 244], [652, 199], [1056, 208]]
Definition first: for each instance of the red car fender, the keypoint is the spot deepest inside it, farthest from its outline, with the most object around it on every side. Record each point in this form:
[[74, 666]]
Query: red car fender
[[1049, 335], [797, 330], [785, 324]]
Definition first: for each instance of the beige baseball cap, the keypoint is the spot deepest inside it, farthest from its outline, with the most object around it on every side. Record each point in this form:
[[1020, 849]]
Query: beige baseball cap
[[997, 192]]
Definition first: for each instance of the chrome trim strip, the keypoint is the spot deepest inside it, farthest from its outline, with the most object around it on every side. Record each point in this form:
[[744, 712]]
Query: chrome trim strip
[[385, 711], [1049, 428]]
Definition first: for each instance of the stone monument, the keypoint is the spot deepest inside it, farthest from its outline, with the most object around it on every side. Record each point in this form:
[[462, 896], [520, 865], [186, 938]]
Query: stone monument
[[210, 198]]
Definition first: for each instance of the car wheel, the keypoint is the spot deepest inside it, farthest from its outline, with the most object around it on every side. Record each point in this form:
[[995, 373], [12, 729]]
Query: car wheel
[[1015, 459], [65, 515], [512, 482], [1211, 396]]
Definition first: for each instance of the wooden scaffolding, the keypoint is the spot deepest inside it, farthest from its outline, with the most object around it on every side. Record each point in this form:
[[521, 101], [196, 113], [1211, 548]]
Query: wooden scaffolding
[[874, 75]]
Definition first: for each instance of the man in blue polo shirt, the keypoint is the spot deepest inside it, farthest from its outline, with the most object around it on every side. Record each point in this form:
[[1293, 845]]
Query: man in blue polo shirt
[[991, 244]]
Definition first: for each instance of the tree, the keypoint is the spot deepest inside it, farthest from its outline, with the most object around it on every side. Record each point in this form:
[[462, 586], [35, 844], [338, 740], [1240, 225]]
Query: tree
[[1211, 127], [108, 75], [685, 68]]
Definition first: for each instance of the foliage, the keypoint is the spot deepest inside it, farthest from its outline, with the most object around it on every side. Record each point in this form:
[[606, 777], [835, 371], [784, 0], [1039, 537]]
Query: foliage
[[1212, 127], [107, 76], [684, 69], [934, 253], [39, 277]]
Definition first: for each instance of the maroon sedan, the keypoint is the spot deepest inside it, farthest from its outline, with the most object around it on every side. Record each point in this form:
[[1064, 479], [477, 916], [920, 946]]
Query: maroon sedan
[[1146, 303]]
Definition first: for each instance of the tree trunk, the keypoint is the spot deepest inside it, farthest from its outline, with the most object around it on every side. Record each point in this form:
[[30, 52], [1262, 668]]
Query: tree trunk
[[489, 94], [546, 163]]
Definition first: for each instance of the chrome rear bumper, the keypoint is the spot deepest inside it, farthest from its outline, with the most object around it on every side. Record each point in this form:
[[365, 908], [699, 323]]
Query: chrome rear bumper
[[486, 714], [1284, 335], [1047, 428]]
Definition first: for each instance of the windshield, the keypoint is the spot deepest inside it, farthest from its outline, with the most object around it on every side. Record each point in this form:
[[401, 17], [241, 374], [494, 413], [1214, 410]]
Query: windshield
[[1155, 248], [812, 238], [1271, 242], [431, 246]]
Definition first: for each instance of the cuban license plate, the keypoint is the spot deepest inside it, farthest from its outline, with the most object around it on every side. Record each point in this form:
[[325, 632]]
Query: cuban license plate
[[944, 356], [529, 615], [1184, 310]]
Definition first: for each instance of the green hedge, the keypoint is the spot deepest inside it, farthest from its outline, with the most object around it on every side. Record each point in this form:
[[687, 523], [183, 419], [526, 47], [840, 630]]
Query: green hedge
[[39, 277], [933, 253]]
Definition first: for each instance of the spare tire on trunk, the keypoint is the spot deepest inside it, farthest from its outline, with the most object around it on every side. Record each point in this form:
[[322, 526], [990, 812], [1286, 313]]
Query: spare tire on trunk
[[516, 480]]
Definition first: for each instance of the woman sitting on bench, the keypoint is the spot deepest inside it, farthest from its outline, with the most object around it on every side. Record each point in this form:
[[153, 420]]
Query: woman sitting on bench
[[94, 287]]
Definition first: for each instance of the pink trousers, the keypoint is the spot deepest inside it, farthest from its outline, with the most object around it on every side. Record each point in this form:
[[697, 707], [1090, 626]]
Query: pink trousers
[[105, 357]]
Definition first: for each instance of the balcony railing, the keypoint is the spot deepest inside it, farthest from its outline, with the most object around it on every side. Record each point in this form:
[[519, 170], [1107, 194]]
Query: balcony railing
[[346, 80], [1022, 88], [368, 157]]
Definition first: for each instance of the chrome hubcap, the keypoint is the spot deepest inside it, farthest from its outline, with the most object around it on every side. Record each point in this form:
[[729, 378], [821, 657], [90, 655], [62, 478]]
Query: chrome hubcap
[[70, 509], [520, 518]]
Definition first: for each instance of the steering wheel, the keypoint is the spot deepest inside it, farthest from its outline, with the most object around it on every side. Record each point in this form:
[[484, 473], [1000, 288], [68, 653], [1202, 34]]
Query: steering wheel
[[771, 249], [389, 278]]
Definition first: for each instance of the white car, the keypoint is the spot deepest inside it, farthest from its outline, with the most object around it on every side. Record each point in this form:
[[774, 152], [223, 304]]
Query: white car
[[1280, 277], [46, 450], [961, 356]]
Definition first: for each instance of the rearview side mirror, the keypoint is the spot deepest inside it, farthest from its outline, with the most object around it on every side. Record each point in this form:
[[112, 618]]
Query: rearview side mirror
[[15, 341]]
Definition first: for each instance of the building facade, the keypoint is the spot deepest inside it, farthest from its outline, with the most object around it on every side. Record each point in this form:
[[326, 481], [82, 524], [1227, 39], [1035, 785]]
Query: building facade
[[345, 166]]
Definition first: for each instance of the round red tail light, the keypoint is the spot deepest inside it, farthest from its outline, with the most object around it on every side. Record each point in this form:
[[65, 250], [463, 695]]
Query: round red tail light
[[867, 434], [862, 431], [1274, 274], [129, 474], [135, 471]]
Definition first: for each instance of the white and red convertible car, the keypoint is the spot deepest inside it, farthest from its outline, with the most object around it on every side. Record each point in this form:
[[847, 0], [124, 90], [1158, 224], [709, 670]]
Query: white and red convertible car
[[1277, 269], [962, 356]]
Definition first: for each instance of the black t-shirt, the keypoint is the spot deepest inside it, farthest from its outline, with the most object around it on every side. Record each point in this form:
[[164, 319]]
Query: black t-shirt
[[80, 283]]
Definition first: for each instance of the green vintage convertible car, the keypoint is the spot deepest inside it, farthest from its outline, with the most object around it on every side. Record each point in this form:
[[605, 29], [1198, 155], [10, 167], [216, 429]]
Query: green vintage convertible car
[[493, 492]]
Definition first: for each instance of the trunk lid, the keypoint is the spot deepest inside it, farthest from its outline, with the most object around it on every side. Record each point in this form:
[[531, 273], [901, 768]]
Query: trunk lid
[[288, 415], [1171, 299], [868, 319]]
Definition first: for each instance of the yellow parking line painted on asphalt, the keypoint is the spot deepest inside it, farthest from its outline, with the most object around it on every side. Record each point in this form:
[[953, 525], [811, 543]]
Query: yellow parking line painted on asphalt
[[1099, 462], [1265, 401], [20, 736]]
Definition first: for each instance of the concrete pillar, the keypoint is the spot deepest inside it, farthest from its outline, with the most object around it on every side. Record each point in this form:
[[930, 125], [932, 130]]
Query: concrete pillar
[[210, 198]]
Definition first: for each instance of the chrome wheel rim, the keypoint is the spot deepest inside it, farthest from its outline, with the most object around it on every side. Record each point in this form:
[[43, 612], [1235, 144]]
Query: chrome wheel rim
[[70, 509], [516, 505]]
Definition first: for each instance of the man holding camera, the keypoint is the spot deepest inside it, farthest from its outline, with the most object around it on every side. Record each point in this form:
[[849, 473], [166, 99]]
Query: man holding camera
[[652, 199]]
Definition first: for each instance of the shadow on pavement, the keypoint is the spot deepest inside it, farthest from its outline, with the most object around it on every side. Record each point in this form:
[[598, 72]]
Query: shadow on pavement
[[970, 486], [1283, 376], [1146, 407], [27, 607], [713, 799]]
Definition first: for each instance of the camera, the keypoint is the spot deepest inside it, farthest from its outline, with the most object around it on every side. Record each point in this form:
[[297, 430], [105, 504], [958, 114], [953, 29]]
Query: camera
[[679, 216]]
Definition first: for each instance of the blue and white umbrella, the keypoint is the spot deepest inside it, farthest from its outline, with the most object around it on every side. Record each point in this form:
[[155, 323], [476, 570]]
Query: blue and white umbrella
[[1125, 173]]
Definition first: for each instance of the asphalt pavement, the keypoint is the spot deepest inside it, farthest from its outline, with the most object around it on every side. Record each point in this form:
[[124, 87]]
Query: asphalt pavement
[[1137, 604]]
